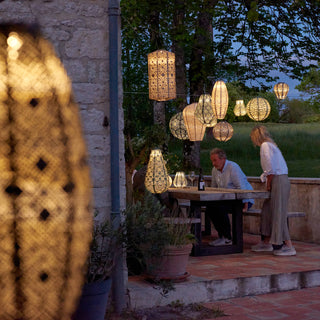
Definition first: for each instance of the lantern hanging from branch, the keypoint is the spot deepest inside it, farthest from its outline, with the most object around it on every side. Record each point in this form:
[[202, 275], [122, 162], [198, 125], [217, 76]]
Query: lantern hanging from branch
[[204, 111], [45, 189], [239, 109], [258, 109], [281, 90], [162, 75], [223, 131], [180, 180], [178, 127], [156, 180], [219, 99], [195, 128]]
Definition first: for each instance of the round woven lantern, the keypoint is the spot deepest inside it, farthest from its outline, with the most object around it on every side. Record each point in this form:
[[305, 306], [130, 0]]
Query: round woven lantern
[[204, 111], [162, 75], [240, 109], [194, 127], [258, 109], [180, 180], [219, 100], [281, 90], [178, 127], [223, 131]]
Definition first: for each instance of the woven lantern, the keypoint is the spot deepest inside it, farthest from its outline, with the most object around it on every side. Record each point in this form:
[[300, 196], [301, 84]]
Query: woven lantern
[[195, 128], [45, 189], [178, 127], [156, 180], [223, 131], [219, 100], [258, 109], [204, 111], [180, 180], [239, 109], [281, 90], [162, 75]]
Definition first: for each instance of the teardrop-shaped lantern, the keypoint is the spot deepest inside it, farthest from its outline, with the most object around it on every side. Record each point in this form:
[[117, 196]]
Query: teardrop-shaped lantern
[[180, 180], [281, 90], [204, 111], [258, 109], [162, 75], [178, 127], [219, 99], [156, 180], [240, 109], [223, 131], [195, 128]]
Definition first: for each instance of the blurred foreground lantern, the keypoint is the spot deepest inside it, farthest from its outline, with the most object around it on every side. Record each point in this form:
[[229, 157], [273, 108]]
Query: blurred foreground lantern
[[281, 90], [223, 131], [239, 109], [156, 180], [219, 99], [180, 180], [258, 109], [204, 111], [195, 128], [162, 75], [177, 126], [45, 189]]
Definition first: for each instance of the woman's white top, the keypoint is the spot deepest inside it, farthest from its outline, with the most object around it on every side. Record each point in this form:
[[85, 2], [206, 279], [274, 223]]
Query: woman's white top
[[272, 161]]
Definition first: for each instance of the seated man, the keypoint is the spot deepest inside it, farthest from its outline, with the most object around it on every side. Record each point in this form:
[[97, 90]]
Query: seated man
[[225, 174]]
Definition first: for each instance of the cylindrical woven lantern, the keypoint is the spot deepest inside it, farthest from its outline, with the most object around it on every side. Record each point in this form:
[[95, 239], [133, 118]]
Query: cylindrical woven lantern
[[195, 128], [223, 131], [258, 109], [180, 180], [45, 189], [162, 75], [178, 127], [281, 90], [169, 181], [156, 180], [240, 108], [219, 99], [204, 111]]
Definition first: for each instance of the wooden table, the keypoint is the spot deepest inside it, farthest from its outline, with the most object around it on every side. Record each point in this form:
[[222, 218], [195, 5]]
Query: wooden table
[[210, 195]]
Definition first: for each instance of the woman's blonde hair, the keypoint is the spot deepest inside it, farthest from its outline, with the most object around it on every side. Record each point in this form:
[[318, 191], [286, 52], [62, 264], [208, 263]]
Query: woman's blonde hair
[[260, 134]]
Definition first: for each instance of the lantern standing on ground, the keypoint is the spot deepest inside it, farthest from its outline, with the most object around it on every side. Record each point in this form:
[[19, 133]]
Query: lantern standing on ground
[[239, 109], [194, 127], [281, 90], [219, 100], [45, 189], [223, 131], [162, 75], [180, 180], [177, 126], [156, 180], [204, 111], [258, 109]]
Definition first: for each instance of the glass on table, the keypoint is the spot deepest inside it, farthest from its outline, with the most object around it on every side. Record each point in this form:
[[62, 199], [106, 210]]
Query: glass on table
[[191, 177]]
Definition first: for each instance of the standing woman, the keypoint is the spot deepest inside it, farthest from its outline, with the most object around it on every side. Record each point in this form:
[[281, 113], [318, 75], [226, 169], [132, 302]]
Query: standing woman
[[274, 226]]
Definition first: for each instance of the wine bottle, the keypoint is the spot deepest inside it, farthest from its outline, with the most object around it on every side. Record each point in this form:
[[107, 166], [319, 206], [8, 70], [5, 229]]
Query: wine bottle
[[201, 184]]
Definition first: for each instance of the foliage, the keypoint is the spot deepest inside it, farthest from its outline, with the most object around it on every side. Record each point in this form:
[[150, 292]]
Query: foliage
[[296, 111]]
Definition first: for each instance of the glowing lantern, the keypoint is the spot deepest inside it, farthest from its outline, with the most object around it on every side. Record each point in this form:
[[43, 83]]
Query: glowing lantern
[[204, 111], [258, 109], [45, 189], [156, 180], [223, 131], [281, 90], [195, 128], [162, 75], [177, 127], [219, 99], [239, 109], [180, 180]]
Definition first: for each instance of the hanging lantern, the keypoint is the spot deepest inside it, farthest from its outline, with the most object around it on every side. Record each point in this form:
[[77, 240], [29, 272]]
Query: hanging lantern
[[281, 90], [45, 189], [223, 131], [219, 100], [195, 128], [239, 109], [180, 180], [204, 111], [156, 180], [258, 109], [178, 127], [162, 75]]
